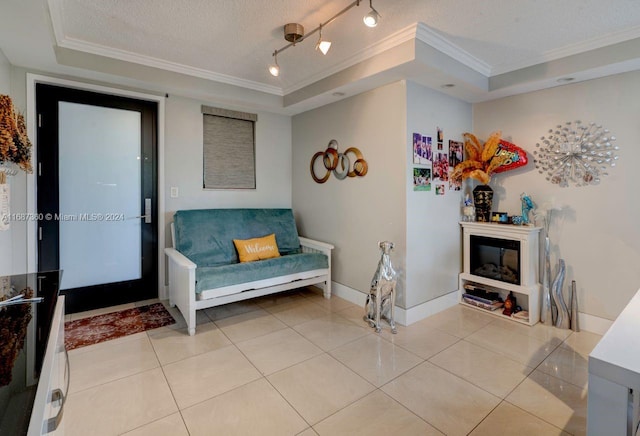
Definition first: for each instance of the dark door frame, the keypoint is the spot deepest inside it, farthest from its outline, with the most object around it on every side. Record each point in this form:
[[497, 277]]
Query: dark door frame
[[47, 202]]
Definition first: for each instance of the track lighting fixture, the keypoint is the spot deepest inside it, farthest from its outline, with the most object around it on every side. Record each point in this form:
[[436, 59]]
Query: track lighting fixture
[[294, 33], [371, 19], [322, 44]]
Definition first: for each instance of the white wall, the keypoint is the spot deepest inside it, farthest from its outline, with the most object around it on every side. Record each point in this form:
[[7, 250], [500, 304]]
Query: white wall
[[433, 232], [597, 233], [355, 213], [6, 244], [183, 161]]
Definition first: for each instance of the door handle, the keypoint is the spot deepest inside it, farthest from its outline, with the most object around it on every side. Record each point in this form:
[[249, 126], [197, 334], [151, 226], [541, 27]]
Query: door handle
[[147, 212]]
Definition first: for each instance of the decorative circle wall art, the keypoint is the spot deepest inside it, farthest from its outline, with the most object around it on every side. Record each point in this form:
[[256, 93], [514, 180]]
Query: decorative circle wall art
[[339, 163], [576, 153]]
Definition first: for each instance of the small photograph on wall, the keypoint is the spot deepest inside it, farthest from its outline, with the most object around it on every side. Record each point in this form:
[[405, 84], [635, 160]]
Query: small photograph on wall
[[422, 179], [440, 188], [455, 185], [440, 139], [455, 153], [441, 166], [426, 141], [421, 149]]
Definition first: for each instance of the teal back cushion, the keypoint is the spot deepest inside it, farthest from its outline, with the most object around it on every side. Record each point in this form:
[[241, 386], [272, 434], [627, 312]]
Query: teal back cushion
[[206, 235]]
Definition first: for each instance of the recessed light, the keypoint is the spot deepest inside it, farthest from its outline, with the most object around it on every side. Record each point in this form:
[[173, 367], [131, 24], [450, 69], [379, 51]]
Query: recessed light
[[338, 94], [566, 79], [447, 85]]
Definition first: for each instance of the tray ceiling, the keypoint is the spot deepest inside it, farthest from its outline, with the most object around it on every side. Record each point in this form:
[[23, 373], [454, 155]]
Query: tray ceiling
[[232, 41]]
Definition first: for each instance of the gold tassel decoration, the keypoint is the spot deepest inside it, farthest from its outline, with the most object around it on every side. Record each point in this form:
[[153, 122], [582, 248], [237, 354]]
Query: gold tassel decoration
[[15, 146]]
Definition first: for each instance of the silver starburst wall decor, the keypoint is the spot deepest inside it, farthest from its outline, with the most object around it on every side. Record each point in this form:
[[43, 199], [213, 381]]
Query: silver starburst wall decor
[[576, 153]]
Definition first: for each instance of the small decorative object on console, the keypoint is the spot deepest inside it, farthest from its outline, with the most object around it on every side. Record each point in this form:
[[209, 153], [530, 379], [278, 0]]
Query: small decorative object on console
[[483, 199], [468, 211], [527, 206], [516, 220], [500, 217]]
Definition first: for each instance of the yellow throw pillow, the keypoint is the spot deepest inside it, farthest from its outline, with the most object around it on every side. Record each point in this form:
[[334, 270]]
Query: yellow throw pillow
[[257, 248]]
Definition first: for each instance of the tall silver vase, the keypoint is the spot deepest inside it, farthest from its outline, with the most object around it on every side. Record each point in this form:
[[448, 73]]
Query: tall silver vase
[[562, 318], [545, 312], [575, 326]]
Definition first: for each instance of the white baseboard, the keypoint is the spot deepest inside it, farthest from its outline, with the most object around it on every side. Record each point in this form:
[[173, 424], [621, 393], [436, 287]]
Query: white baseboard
[[593, 324], [352, 295], [431, 307], [589, 323], [403, 316]]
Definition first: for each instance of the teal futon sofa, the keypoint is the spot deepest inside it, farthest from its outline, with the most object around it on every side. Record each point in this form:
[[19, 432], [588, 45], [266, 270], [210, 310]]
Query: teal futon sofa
[[204, 269]]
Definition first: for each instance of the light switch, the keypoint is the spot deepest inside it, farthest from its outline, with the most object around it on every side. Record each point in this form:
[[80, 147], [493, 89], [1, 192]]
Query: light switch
[[174, 192]]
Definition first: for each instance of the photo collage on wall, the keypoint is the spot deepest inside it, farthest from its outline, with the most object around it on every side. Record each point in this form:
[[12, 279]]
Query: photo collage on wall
[[433, 165], [422, 155]]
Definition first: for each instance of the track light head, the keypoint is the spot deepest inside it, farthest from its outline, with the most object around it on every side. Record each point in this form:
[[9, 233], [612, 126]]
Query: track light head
[[322, 44], [274, 68], [372, 18]]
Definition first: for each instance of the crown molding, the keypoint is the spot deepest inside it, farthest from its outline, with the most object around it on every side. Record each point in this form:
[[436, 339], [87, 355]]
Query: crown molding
[[57, 21], [428, 36], [403, 35], [149, 61], [569, 50]]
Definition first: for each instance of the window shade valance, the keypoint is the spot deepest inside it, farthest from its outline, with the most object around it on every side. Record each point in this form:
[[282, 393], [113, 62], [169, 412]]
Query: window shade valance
[[209, 110]]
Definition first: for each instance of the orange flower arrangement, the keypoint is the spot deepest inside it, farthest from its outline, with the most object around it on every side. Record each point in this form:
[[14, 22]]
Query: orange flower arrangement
[[481, 159], [15, 146]]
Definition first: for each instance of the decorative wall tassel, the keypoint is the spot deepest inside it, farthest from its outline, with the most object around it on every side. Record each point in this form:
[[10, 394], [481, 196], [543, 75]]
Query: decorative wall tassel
[[562, 316], [545, 313], [575, 325]]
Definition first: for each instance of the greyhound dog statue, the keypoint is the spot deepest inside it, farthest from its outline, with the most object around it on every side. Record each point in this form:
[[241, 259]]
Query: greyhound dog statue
[[382, 295]]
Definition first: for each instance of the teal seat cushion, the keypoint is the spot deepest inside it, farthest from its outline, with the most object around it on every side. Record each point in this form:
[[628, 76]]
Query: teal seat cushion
[[206, 235], [212, 277]]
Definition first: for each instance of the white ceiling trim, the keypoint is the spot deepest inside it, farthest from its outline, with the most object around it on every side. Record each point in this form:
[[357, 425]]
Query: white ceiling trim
[[55, 9], [428, 36], [57, 19], [149, 61], [391, 41], [570, 50]]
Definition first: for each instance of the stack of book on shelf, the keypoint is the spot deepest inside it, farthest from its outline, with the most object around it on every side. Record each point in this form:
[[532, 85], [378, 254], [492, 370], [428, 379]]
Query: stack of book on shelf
[[481, 297]]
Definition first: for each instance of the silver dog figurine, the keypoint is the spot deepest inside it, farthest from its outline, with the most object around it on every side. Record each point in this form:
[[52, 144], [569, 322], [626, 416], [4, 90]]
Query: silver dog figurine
[[382, 295]]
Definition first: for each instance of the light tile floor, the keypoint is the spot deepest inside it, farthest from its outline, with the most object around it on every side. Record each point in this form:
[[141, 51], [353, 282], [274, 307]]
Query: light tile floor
[[297, 364]]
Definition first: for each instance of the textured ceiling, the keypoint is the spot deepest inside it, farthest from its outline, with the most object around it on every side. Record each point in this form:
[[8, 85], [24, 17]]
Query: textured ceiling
[[236, 38], [484, 46]]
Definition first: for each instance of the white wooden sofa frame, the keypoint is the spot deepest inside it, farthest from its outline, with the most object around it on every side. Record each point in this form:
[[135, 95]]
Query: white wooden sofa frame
[[182, 282]]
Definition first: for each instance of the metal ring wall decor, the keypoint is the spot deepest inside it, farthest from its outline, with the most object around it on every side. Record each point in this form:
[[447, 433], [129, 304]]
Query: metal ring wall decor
[[339, 163]]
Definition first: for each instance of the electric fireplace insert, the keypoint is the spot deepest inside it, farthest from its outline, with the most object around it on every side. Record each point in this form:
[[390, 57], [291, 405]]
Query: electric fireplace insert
[[495, 258]]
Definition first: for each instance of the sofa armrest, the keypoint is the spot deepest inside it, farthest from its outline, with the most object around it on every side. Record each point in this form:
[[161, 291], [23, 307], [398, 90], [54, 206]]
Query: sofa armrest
[[180, 259], [312, 246], [316, 245]]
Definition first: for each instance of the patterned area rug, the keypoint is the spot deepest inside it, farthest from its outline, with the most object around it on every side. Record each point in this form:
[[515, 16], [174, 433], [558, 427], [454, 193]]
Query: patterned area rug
[[100, 328]]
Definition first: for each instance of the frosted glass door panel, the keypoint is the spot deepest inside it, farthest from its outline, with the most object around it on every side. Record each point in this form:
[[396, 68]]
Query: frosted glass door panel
[[100, 195]]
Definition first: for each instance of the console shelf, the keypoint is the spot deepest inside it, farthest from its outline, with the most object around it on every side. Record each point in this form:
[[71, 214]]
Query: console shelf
[[528, 289]]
